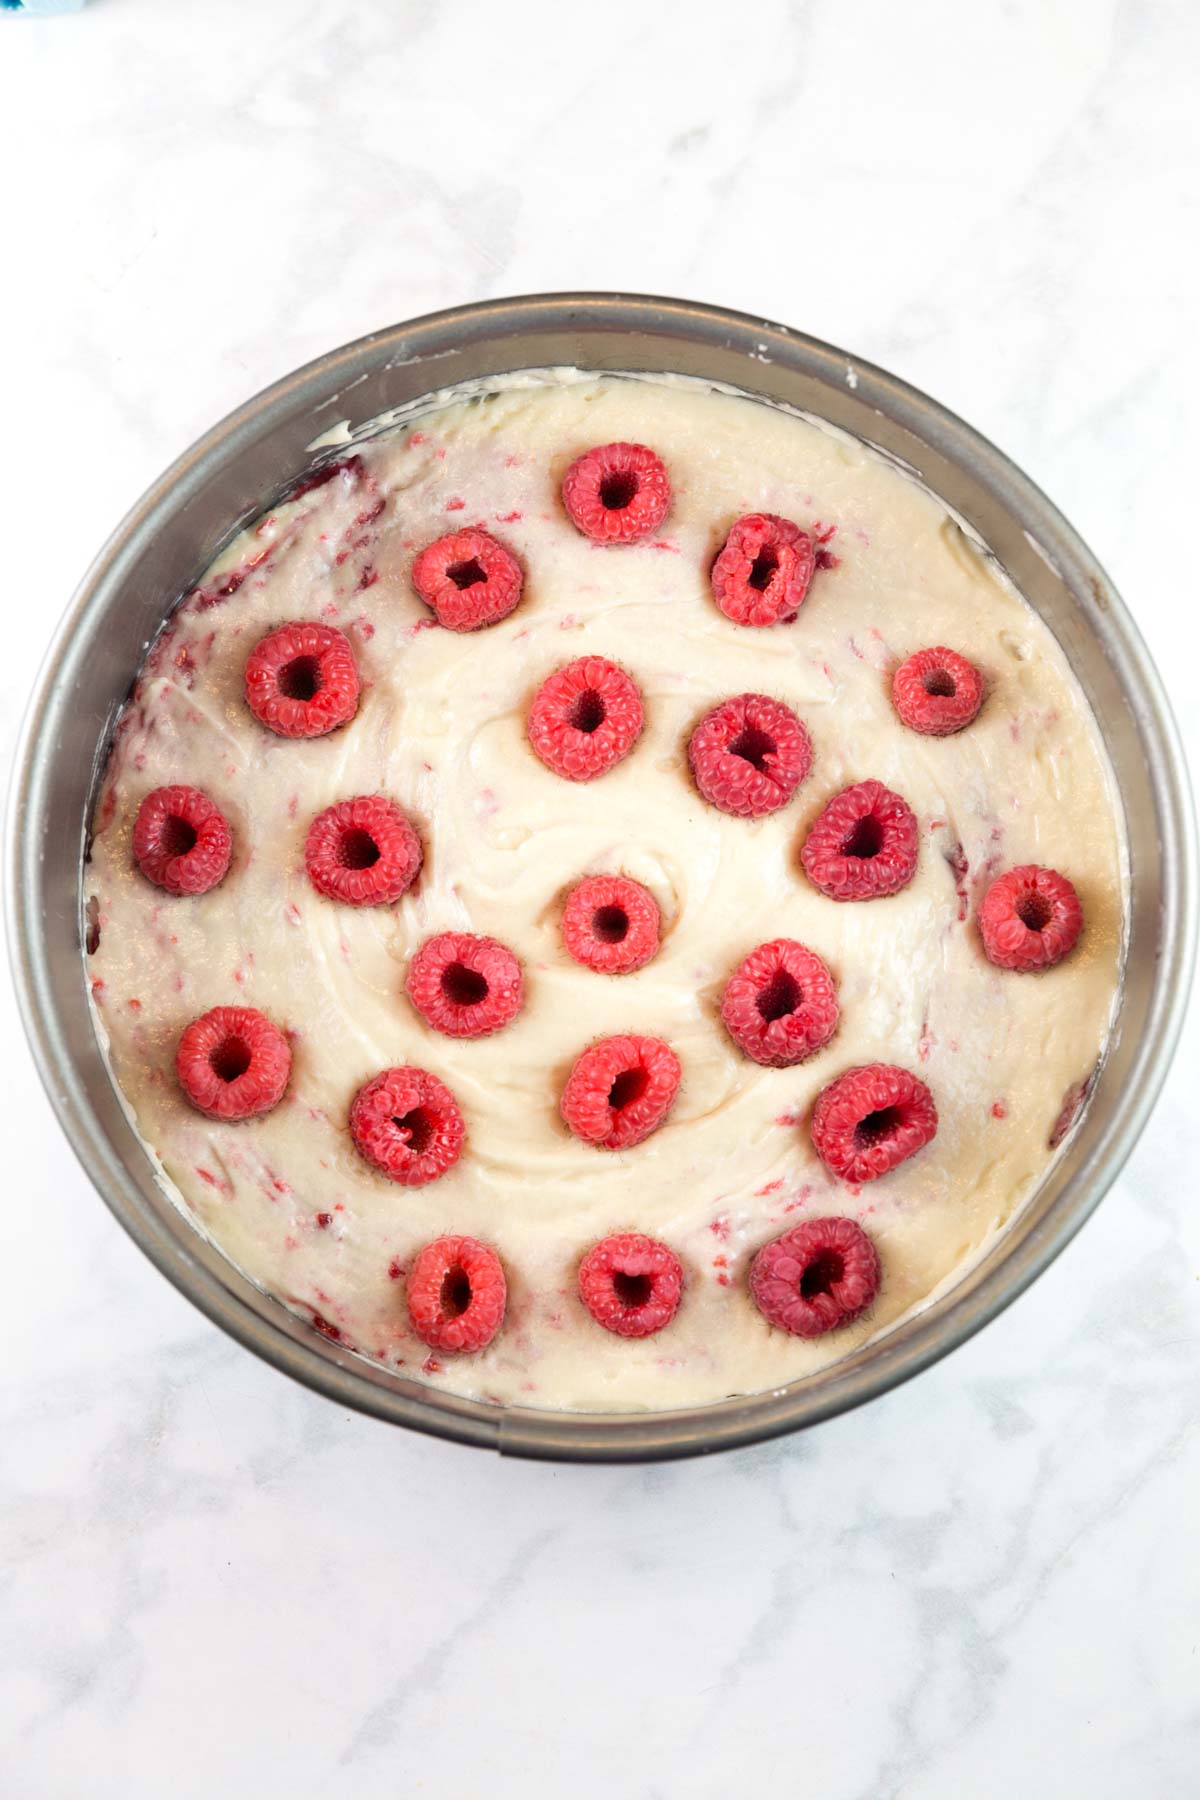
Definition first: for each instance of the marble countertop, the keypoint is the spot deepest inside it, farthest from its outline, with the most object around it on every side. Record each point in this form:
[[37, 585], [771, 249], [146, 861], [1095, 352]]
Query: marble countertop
[[986, 1584]]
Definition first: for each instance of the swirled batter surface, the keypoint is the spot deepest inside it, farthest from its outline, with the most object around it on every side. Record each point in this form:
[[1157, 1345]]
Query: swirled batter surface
[[440, 728]]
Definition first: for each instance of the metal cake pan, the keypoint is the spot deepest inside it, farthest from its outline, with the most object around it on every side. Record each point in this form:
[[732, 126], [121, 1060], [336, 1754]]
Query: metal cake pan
[[245, 463]]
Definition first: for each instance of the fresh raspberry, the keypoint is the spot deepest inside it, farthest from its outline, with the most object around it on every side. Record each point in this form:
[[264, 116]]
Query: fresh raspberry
[[749, 755], [584, 718], [631, 1284], [610, 924], [863, 845], [181, 841], [1030, 918], [468, 580], [761, 576], [780, 1004], [815, 1277], [456, 1294], [466, 986], [233, 1063], [407, 1123], [363, 852], [302, 680], [620, 1090], [937, 692], [872, 1119], [617, 493]]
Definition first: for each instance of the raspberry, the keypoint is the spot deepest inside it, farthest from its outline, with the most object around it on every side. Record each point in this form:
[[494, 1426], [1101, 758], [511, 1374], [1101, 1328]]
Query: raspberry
[[407, 1123], [233, 1063], [620, 1090], [749, 755], [1030, 918], [863, 845], [617, 493], [466, 986], [468, 580], [872, 1119], [363, 852], [584, 718], [456, 1294], [631, 1284], [815, 1277], [610, 924], [937, 692], [780, 1004], [181, 841], [761, 576], [302, 680]]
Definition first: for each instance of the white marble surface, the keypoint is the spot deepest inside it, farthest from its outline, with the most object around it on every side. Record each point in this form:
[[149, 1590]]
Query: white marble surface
[[986, 1584]]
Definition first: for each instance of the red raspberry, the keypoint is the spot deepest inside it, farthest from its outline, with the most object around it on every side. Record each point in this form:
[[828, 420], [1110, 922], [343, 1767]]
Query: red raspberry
[[1030, 918], [456, 1294], [780, 1004], [937, 692], [863, 845], [584, 718], [610, 924], [407, 1123], [631, 1284], [749, 755], [363, 852], [761, 576], [181, 841], [468, 580], [872, 1119], [815, 1277], [466, 986], [302, 680], [617, 493], [620, 1090], [232, 1063]]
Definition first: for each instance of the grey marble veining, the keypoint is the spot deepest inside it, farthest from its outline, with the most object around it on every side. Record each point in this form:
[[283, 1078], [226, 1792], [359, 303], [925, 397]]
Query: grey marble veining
[[985, 1585]]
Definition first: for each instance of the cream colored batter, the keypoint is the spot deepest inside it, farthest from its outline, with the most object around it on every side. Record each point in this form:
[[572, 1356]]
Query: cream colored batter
[[440, 729]]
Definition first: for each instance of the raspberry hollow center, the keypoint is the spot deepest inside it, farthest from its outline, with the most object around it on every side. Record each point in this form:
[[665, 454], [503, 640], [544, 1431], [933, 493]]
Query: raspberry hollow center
[[588, 711], [618, 490], [230, 1058], [1034, 910], [300, 679], [877, 1126], [177, 836], [780, 997], [629, 1086], [632, 1290], [865, 840], [611, 924], [753, 745], [419, 1127], [466, 574], [463, 986], [764, 566], [822, 1274], [357, 849], [941, 684], [455, 1295]]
